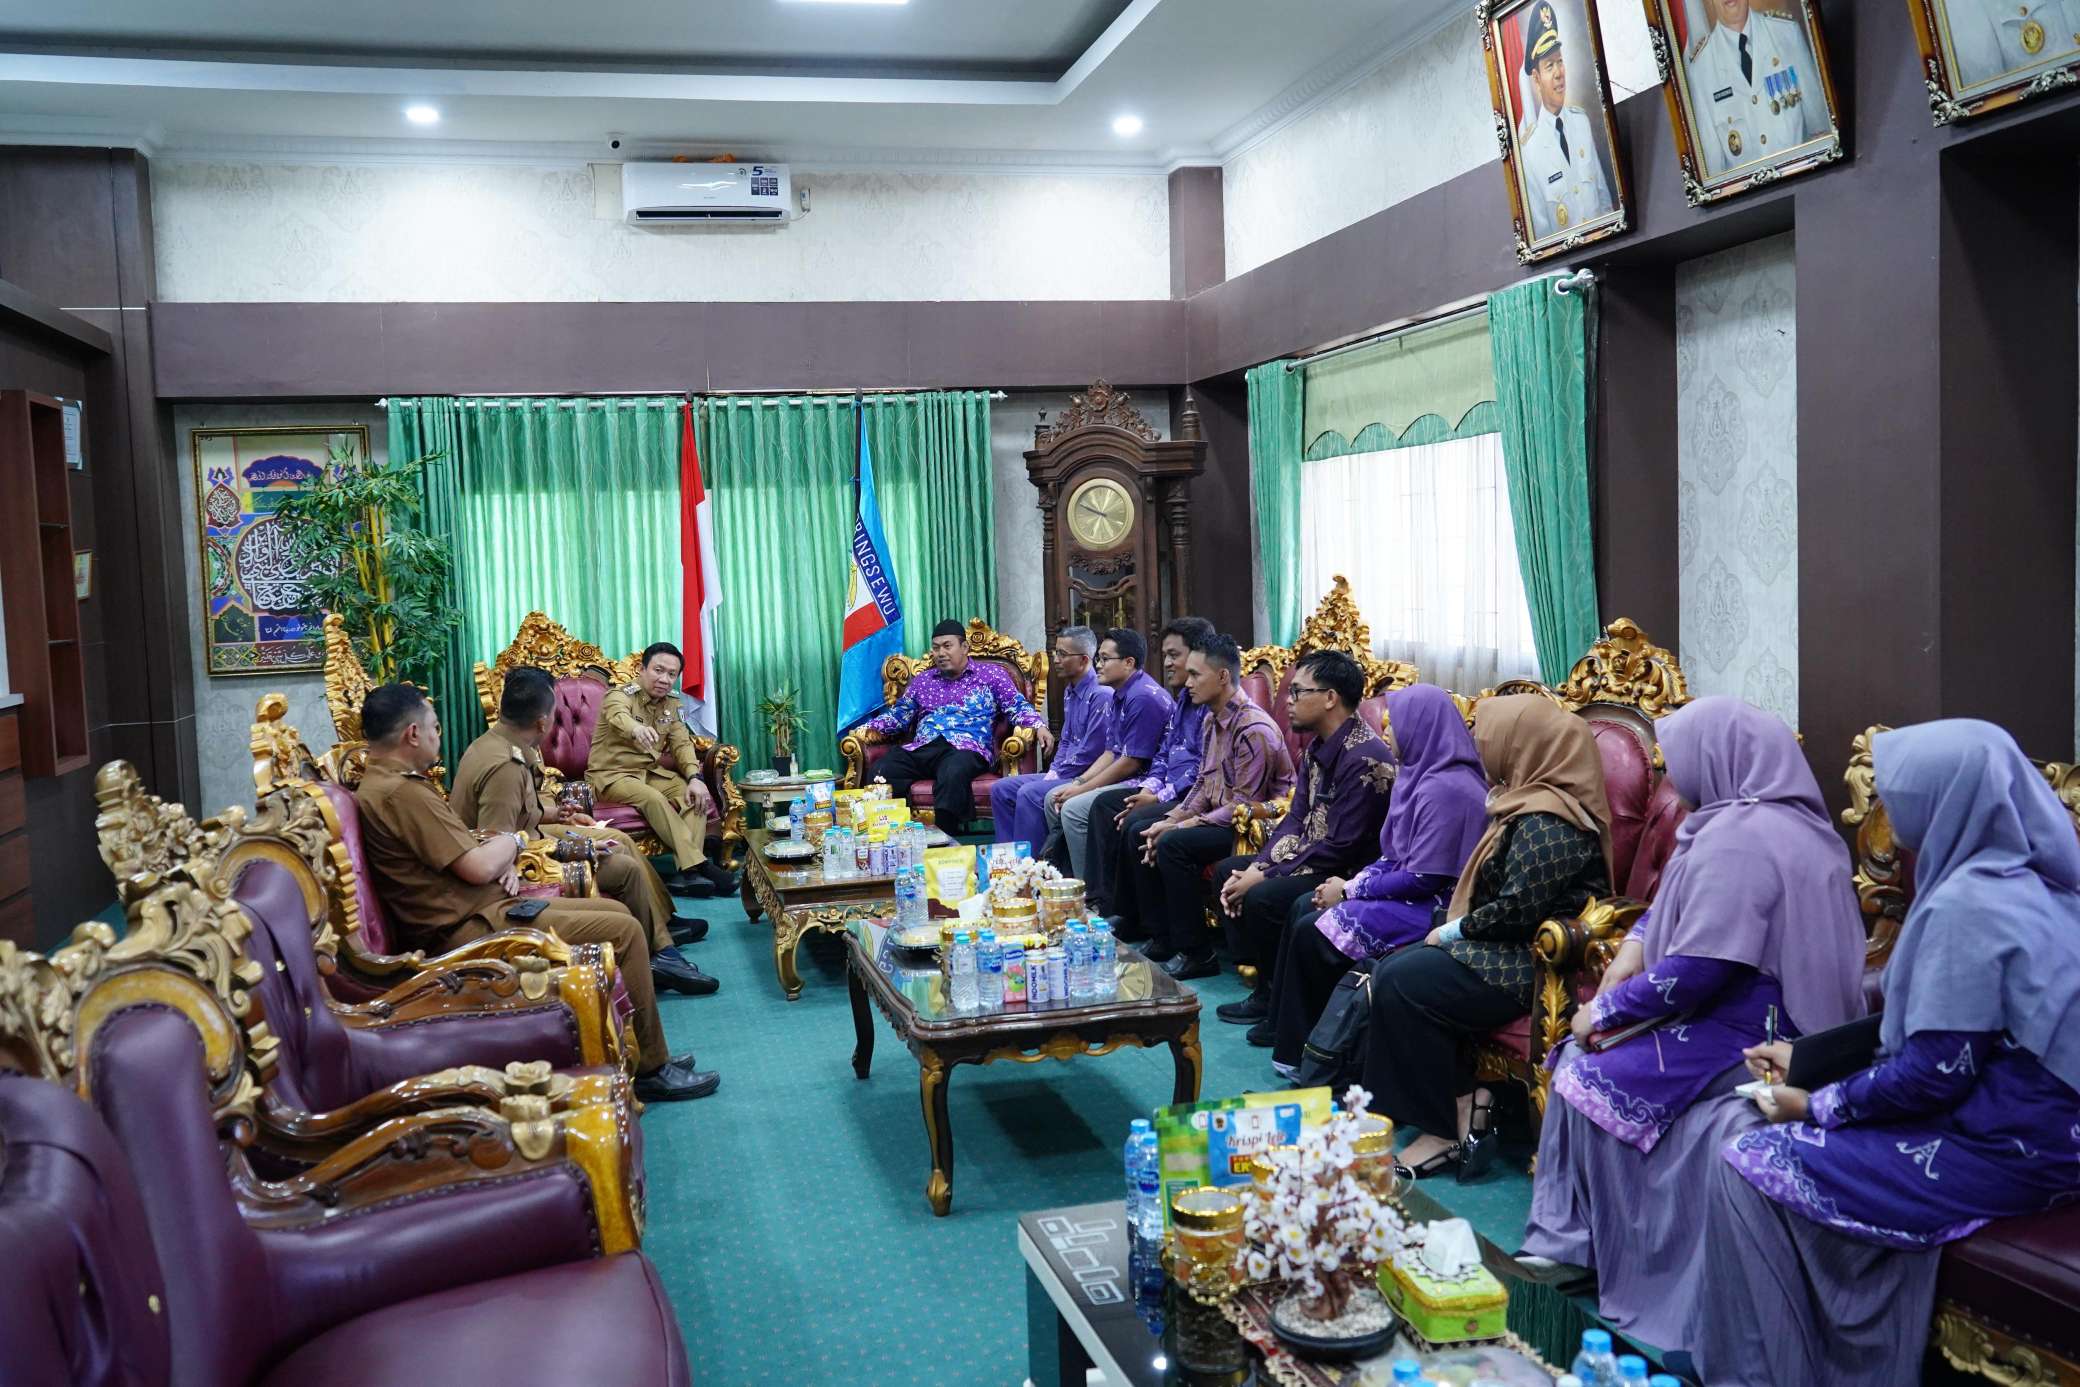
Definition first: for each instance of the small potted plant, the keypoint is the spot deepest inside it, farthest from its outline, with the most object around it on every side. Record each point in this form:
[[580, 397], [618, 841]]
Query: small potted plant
[[782, 711], [1320, 1227]]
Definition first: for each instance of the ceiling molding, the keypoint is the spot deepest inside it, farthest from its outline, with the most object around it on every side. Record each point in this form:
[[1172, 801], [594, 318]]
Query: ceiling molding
[[81, 132], [1327, 82]]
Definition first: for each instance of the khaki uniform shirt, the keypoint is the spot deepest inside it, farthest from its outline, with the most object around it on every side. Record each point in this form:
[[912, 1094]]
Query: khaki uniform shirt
[[498, 785], [412, 838], [614, 747]]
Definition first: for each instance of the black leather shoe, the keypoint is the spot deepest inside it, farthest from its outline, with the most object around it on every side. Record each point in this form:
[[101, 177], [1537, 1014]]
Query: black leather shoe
[[1248, 1011], [675, 1081], [716, 875], [671, 973], [1262, 1035], [1154, 952], [691, 884], [687, 929], [1185, 967]]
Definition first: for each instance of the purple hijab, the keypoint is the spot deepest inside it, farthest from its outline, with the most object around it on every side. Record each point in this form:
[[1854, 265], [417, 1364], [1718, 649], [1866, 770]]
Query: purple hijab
[[1758, 875], [1440, 804], [1992, 940]]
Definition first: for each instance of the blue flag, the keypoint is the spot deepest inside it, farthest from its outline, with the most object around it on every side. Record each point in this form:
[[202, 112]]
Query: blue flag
[[873, 611]]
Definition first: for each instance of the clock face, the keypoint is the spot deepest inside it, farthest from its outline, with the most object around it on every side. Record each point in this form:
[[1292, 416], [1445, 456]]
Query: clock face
[[1101, 511]]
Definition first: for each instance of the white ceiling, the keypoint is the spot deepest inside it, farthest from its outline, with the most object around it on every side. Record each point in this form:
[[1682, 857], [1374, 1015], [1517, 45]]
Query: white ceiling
[[936, 83]]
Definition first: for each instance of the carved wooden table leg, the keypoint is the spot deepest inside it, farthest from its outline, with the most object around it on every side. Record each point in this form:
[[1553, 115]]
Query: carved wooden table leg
[[862, 1024], [787, 936], [751, 905], [938, 1130], [1184, 1053]]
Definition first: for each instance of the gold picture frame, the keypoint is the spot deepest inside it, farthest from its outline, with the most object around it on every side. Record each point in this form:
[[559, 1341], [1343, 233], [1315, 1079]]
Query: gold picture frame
[[253, 622], [1977, 57], [1724, 145], [1553, 123]]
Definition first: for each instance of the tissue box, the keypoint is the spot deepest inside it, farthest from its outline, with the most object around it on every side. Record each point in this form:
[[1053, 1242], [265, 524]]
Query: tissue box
[[1446, 1312]]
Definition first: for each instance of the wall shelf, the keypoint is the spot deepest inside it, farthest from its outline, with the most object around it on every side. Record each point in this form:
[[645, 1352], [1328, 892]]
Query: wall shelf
[[44, 659]]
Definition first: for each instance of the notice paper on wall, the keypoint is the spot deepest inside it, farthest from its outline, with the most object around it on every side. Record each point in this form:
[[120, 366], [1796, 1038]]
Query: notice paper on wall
[[75, 452]]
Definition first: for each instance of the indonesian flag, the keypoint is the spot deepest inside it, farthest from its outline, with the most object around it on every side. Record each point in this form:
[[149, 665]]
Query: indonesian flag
[[703, 584]]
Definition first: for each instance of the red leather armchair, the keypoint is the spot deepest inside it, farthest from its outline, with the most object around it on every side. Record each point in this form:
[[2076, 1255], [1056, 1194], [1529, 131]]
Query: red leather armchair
[[2007, 1297], [544, 644], [1018, 750]]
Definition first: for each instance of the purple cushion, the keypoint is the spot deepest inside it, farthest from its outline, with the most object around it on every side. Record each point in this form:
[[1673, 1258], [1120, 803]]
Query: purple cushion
[[376, 936], [602, 1321]]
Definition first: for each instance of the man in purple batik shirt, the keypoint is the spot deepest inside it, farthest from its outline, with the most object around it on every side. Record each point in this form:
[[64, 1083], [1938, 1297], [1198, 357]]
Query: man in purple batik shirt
[[1016, 802], [949, 714]]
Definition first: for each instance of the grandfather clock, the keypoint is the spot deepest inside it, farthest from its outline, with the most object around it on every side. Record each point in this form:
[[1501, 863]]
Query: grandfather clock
[[1115, 507]]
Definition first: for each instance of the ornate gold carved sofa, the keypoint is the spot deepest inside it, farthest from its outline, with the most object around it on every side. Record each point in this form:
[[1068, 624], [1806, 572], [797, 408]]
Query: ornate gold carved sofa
[[546, 645], [2007, 1297], [1017, 747], [357, 947]]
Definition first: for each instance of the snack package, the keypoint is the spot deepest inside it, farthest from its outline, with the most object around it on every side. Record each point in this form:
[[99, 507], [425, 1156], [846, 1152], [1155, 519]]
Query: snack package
[[949, 875], [886, 814], [988, 855], [1211, 1142]]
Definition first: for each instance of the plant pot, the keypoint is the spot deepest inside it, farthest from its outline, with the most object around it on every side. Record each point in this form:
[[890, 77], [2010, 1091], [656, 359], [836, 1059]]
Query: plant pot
[[1370, 1321], [783, 765]]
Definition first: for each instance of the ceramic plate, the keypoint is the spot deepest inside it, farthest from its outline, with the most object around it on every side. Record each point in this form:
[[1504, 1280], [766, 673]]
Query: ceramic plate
[[790, 850], [760, 777], [921, 937]]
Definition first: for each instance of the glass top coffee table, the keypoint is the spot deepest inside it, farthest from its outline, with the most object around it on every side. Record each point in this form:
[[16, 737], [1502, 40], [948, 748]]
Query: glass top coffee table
[[797, 900], [1150, 1008]]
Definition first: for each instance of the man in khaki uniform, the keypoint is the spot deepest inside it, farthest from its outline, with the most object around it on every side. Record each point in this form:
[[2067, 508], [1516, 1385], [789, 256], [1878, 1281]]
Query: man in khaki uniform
[[639, 727], [446, 887], [498, 789]]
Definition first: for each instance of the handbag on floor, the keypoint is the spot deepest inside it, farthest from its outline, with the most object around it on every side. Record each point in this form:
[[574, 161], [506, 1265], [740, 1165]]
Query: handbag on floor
[[1335, 1051]]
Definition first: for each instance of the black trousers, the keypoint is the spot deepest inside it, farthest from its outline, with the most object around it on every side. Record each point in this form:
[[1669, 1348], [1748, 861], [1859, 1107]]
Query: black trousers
[[1108, 852], [1309, 967], [1168, 899], [951, 771], [1254, 936], [1428, 1010]]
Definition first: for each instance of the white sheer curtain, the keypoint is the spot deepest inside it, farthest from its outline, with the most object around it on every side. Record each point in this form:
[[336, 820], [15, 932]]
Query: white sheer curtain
[[1424, 535]]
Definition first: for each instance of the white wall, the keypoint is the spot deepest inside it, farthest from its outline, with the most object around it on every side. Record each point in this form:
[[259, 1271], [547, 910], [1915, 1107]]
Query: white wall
[[499, 232], [224, 706], [1737, 473], [1419, 119]]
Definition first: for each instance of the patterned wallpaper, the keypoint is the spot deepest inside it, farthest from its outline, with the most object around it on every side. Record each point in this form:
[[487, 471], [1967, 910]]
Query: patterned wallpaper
[[1737, 474], [389, 232], [1420, 118], [224, 706]]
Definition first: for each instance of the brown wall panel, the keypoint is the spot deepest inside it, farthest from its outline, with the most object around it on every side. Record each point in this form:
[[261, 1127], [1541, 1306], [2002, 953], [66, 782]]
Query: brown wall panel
[[13, 806], [10, 741], [1636, 558], [14, 865], [18, 921], [1198, 231]]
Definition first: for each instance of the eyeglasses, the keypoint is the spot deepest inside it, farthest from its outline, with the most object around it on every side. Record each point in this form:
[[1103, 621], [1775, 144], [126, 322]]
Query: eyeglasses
[[1104, 659], [1295, 690]]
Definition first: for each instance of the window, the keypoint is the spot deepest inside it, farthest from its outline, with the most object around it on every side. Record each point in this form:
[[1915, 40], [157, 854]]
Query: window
[[1424, 535]]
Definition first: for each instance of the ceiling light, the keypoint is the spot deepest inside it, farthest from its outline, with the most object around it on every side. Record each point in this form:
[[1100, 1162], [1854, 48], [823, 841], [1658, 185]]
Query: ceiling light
[[423, 114], [1127, 127]]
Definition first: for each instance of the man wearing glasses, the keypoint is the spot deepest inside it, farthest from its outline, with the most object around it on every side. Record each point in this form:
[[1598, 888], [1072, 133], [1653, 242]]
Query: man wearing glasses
[[1332, 828], [1017, 802], [1135, 717]]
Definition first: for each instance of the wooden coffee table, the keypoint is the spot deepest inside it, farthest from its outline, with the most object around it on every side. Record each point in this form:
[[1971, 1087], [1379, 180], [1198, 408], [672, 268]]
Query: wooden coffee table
[[800, 901], [1150, 1008]]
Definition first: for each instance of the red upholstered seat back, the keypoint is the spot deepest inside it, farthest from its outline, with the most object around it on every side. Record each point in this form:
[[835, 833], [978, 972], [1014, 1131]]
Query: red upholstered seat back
[[1657, 841], [569, 743], [1374, 710], [1628, 783], [1272, 699], [376, 935]]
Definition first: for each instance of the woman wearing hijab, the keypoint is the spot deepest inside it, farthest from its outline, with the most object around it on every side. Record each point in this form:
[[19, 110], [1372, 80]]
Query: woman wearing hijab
[[1436, 815], [1823, 1231], [1545, 852], [1755, 915]]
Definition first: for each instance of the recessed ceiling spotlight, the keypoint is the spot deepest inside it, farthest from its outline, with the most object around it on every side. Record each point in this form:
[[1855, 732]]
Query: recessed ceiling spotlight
[[423, 114], [1127, 127]]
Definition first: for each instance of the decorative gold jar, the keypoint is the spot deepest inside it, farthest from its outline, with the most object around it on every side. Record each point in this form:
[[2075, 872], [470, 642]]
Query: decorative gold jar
[[1206, 1242], [815, 824], [1374, 1148], [1061, 901], [1013, 915]]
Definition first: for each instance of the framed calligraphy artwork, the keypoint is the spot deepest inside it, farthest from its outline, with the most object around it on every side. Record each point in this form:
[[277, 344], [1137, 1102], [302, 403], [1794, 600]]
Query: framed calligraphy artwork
[[256, 612]]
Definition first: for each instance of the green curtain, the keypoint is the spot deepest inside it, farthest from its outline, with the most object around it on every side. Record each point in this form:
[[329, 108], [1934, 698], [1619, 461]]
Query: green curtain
[[1541, 340], [567, 506], [779, 475], [417, 428], [1277, 398], [1442, 371], [938, 505]]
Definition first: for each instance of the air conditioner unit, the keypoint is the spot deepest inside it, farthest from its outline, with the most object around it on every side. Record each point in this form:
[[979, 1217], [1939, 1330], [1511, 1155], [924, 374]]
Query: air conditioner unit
[[694, 194]]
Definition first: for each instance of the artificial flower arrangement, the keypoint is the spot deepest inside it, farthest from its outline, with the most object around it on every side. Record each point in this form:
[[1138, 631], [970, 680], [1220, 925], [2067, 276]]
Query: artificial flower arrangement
[[1015, 878], [1321, 1226]]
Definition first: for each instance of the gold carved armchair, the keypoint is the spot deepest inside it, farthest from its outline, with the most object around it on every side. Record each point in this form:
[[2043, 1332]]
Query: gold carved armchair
[[545, 644], [1017, 747]]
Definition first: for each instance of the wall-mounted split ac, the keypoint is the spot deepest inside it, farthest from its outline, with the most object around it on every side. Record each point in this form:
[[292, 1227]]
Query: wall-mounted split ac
[[654, 194]]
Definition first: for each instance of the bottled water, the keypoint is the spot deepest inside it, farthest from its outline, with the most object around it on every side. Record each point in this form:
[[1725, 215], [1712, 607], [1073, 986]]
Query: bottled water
[[910, 902], [989, 971], [1148, 1214], [961, 973], [1134, 1131], [1104, 959], [1144, 1206], [1632, 1368], [1664, 1380], [1595, 1365], [1407, 1370], [1078, 947]]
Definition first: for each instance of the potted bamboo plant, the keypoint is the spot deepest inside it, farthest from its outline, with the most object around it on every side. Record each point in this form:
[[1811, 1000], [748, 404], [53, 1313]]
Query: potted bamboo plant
[[782, 711]]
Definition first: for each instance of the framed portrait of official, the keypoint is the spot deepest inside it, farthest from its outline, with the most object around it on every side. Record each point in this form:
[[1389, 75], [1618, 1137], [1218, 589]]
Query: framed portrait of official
[[1980, 56], [1748, 89], [1553, 122]]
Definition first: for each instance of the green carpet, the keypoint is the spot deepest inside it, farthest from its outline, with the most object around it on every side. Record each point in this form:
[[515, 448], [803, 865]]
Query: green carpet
[[787, 1212]]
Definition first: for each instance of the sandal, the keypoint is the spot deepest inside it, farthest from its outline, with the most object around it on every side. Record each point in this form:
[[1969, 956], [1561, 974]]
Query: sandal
[[1480, 1144], [1436, 1165]]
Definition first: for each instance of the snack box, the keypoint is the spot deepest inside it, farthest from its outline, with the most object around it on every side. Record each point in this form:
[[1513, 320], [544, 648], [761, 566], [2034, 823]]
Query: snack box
[[1447, 1312]]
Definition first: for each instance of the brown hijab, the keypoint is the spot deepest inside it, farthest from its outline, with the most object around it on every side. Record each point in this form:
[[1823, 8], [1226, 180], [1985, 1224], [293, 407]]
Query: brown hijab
[[1540, 759]]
